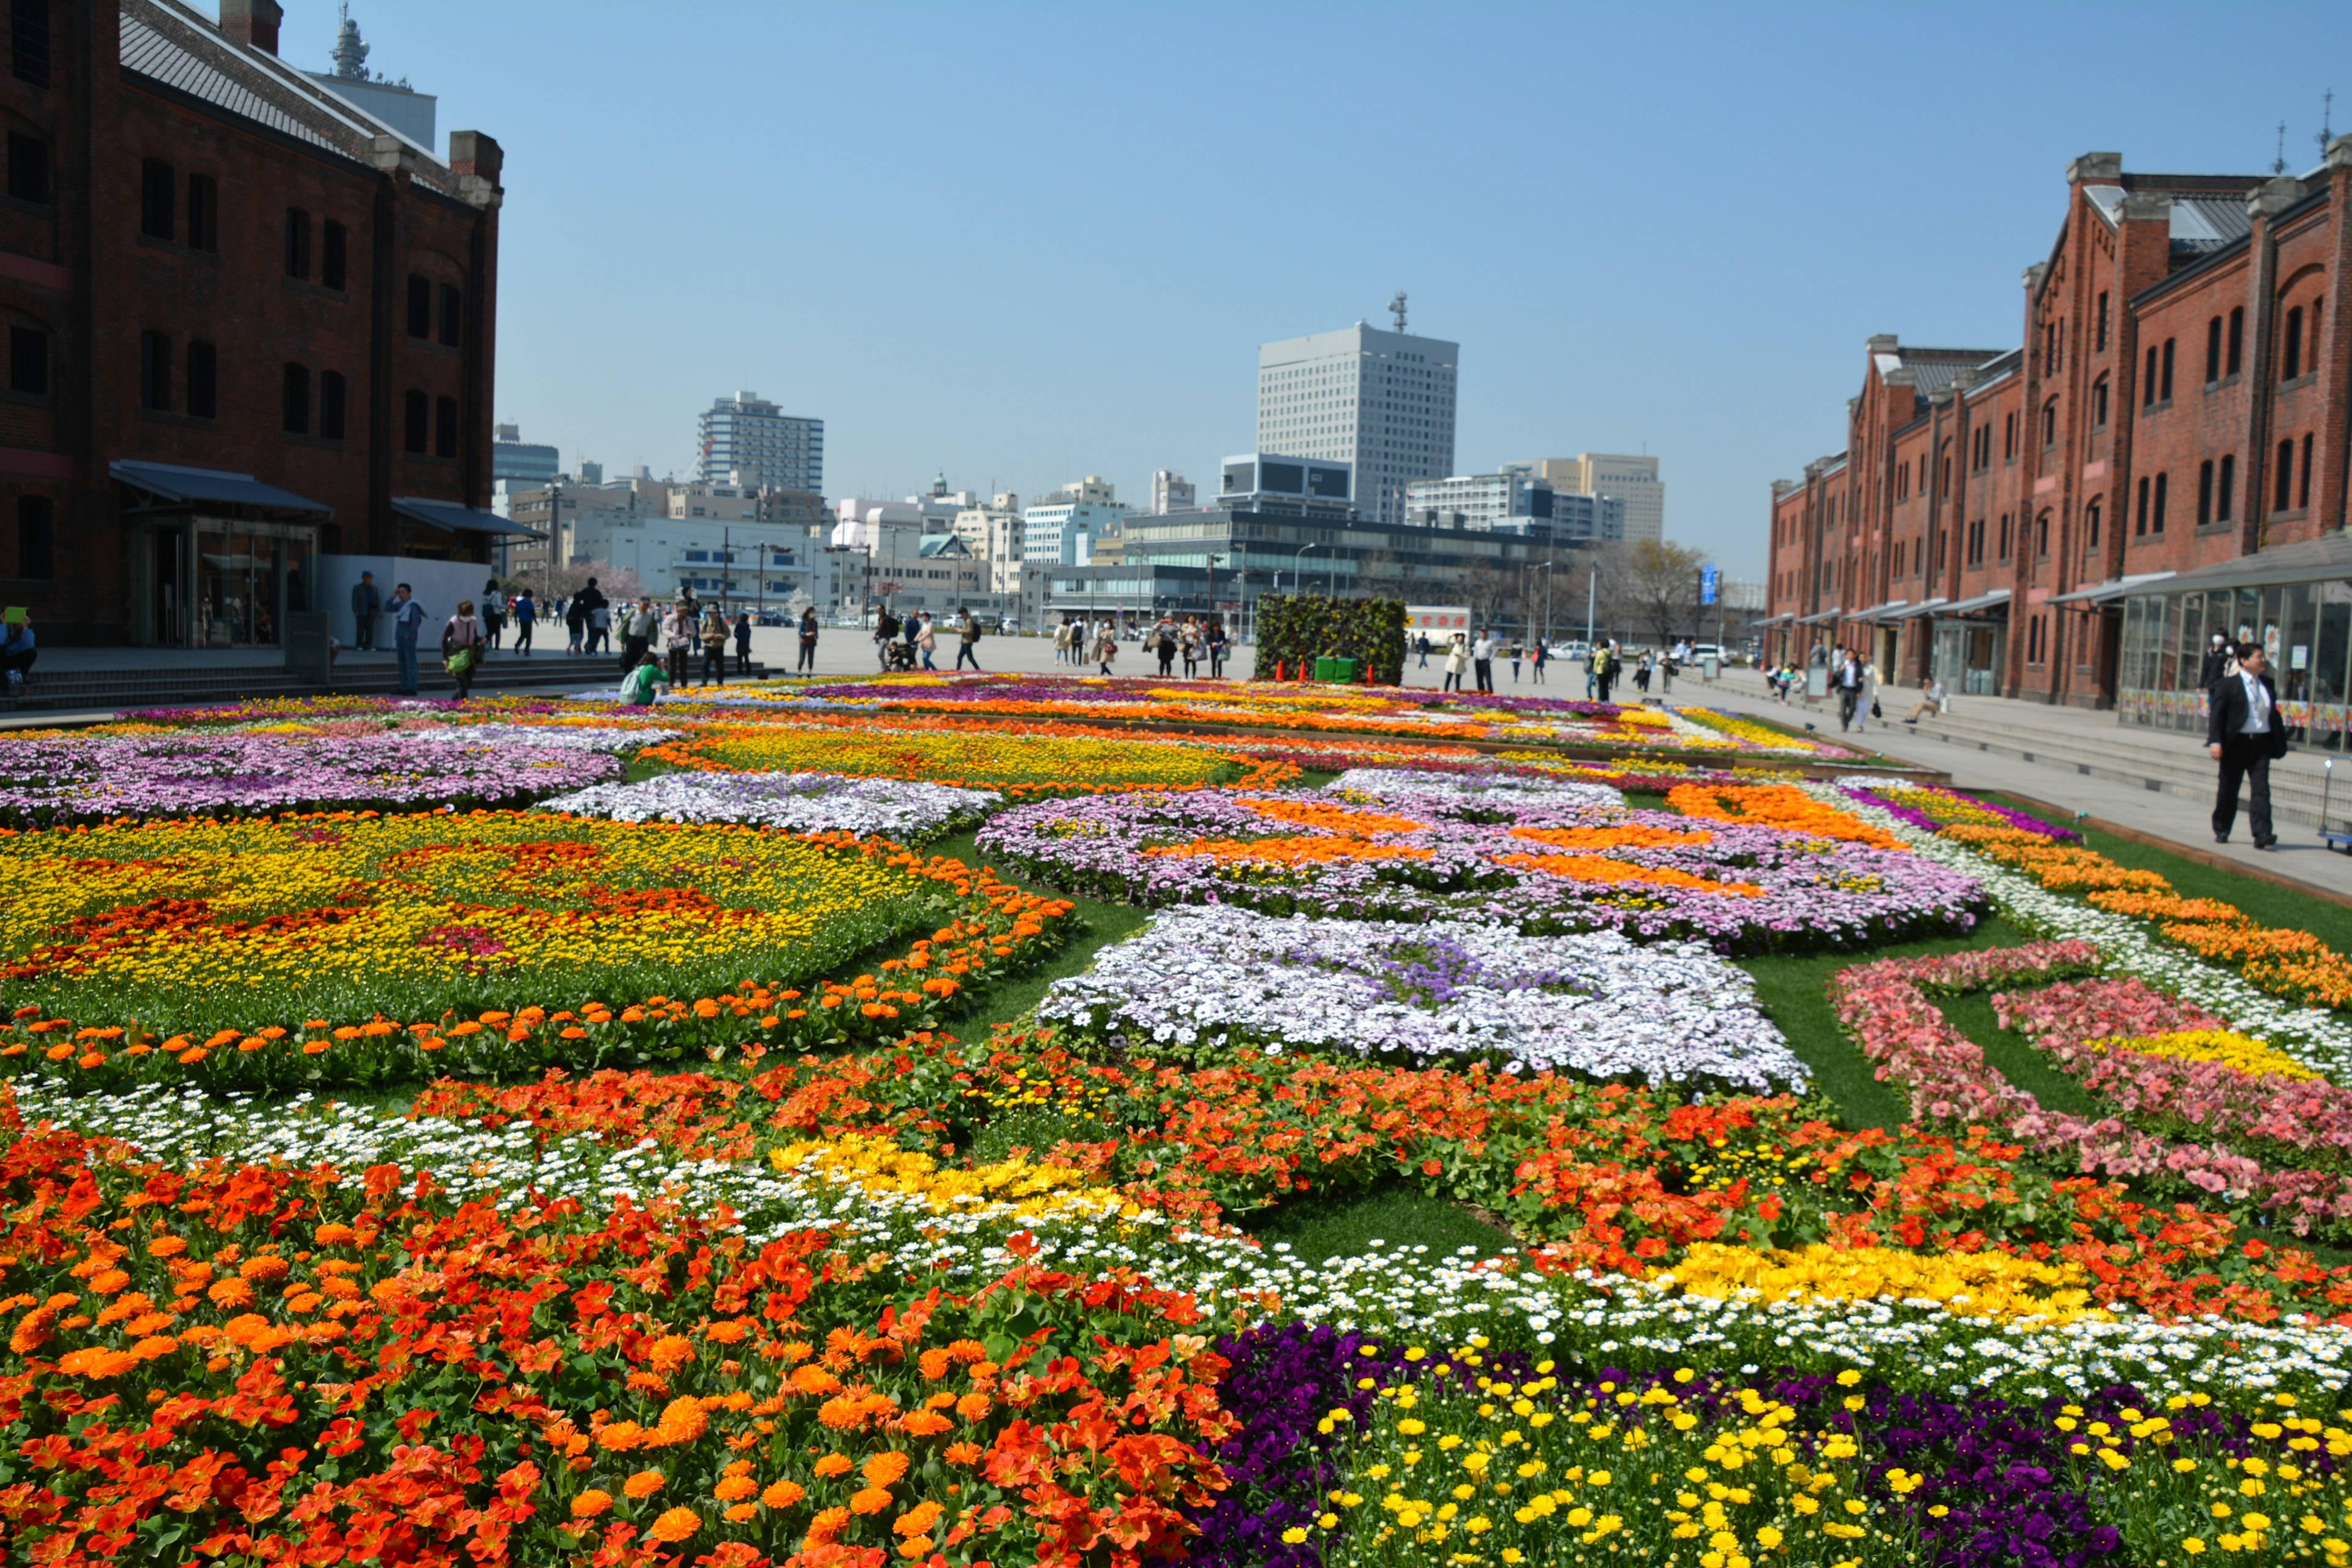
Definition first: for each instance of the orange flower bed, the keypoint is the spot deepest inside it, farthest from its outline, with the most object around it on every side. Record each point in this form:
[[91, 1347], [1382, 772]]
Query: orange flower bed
[[1600, 868], [1295, 851], [1784, 807], [1628, 836], [1334, 818]]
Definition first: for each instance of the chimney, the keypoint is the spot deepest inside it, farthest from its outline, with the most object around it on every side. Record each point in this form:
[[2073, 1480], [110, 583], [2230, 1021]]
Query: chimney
[[253, 22]]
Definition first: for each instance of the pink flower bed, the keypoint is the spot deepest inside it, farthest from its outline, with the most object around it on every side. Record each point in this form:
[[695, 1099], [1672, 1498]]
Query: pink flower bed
[[1889, 1009], [2296, 1116]]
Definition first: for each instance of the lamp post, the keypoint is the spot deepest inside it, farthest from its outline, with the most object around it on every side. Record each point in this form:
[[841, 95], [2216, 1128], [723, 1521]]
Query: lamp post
[[1545, 569], [1298, 563], [1591, 590]]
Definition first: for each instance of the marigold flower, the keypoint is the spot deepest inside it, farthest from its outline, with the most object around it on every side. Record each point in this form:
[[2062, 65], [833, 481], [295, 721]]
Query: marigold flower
[[166, 1246], [926, 1424], [963, 1453], [675, 1524], [833, 1465], [620, 1436], [782, 1494], [643, 1484], [742, 1513], [267, 1270], [231, 1293], [670, 1352], [735, 1488], [327, 1235], [917, 1519], [591, 1503], [870, 1500], [885, 1469], [828, 1523]]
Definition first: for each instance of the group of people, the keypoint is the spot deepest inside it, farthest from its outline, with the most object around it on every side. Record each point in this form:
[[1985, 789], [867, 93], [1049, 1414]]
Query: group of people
[[1852, 679], [1195, 641], [900, 640], [1476, 656]]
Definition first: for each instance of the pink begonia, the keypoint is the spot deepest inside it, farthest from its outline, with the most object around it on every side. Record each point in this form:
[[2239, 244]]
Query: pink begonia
[[1887, 1007]]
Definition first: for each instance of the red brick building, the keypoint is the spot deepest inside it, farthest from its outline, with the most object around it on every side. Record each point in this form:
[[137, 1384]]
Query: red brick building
[[2165, 456], [249, 327]]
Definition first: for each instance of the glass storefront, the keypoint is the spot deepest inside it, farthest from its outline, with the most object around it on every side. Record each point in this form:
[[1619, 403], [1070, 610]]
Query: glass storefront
[[2305, 630], [224, 582], [1968, 655]]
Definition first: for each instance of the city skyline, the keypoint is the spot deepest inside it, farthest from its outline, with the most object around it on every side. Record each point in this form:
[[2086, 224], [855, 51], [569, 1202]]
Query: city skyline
[[1675, 275]]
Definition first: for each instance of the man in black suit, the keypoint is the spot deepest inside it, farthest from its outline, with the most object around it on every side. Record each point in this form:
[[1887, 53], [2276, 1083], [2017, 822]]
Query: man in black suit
[[2216, 665], [2243, 730]]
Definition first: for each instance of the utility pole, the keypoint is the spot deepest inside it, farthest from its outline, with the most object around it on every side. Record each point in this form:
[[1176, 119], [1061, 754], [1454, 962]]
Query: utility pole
[[1591, 592]]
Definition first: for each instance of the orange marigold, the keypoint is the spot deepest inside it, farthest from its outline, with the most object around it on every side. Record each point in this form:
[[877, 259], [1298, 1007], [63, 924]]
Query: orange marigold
[[735, 1488], [828, 1523], [886, 1468], [871, 1499], [926, 1424], [675, 1524], [643, 1484], [166, 1246], [918, 1518], [591, 1503], [267, 1270], [670, 1352], [784, 1494], [231, 1293], [620, 1436], [682, 1421], [965, 1453]]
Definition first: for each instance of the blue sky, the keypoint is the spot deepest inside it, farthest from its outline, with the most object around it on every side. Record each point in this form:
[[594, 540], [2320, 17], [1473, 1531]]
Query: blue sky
[[1020, 243]]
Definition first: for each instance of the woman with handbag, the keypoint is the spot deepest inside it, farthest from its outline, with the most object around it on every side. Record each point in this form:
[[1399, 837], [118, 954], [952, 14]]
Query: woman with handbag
[[461, 647]]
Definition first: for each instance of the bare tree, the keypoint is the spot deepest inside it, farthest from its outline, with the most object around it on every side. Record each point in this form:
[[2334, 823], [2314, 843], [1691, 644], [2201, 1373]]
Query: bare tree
[[618, 583], [1653, 588]]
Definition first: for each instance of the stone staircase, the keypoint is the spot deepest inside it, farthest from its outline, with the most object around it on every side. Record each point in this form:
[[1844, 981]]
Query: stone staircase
[[2095, 744]]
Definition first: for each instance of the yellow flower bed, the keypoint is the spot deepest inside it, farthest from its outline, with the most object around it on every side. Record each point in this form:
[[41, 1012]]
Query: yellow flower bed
[[2242, 1052], [1018, 758], [1976, 1284], [1017, 1187]]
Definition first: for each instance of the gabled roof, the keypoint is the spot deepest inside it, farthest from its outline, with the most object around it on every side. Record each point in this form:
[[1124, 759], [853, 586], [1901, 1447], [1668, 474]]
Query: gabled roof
[[2201, 219], [181, 49]]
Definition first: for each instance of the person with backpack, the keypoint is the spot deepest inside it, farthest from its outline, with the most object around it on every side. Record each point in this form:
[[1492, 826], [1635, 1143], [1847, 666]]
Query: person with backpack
[[638, 686], [1216, 637], [743, 643], [461, 647], [808, 641], [494, 614], [575, 624], [968, 629]]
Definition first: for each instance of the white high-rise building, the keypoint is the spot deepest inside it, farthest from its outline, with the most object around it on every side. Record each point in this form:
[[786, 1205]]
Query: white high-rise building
[[1633, 481], [1171, 491], [746, 440], [1381, 401]]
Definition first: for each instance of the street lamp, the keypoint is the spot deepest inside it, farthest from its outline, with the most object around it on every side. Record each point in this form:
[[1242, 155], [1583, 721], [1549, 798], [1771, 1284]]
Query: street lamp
[[1298, 564], [1546, 567]]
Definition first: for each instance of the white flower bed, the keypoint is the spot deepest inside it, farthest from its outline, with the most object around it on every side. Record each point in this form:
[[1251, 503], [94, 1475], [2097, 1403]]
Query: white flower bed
[[802, 802], [2311, 1035], [614, 739], [1597, 1005], [1507, 791]]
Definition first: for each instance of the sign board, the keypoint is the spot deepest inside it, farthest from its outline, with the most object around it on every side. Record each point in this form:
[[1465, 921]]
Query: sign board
[[1707, 584], [1437, 618]]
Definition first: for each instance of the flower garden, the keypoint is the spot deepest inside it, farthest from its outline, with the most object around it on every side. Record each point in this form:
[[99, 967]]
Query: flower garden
[[1086, 1124]]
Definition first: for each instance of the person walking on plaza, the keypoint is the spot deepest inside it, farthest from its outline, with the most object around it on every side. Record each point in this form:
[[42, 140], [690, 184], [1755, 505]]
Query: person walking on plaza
[[2216, 663], [1539, 658], [1847, 679], [366, 604], [407, 616], [1517, 650], [1482, 656], [1591, 671], [637, 633], [526, 617], [967, 632], [1216, 637], [713, 637], [575, 625], [494, 613], [1107, 647], [1642, 676], [1457, 659], [1062, 642], [1422, 643], [2243, 730], [1605, 661], [928, 639], [743, 643], [461, 647], [1869, 706], [598, 613], [808, 641], [678, 641]]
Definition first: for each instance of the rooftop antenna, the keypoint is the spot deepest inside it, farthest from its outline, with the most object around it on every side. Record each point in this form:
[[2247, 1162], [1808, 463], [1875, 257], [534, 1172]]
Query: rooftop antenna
[[2327, 114], [1396, 307], [2278, 165]]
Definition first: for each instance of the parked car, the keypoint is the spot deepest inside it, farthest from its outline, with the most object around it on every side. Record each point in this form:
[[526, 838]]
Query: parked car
[[772, 618], [1575, 652]]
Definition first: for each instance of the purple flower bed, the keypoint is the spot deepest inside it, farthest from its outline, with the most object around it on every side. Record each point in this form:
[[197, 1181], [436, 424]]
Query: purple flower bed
[[1153, 848], [215, 774], [1962, 808]]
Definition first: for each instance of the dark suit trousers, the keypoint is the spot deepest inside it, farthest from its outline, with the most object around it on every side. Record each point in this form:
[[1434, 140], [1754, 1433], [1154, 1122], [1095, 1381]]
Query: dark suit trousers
[[2246, 758]]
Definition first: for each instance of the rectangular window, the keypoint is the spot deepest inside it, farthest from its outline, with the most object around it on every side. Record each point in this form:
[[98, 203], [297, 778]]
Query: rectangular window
[[2212, 351], [2157, 525], [444, 428], [295, 415], [2139, 523], [2009, 440], [204, 381], [2283, 483], [28, 361], [2093, 543], [29, 42], [2291, 346], [203, 213], [2227, 487], [2148, 382], [453, 307], [154, 371], [2205, 492], [2303, 498], [157, 198], [2102, 345], [2042, 536], [2164, 386], [2099, 404], [420, 306], [297, 243], [416, 422], [2004, 536], [330, 404], [332, 256], [28, 168], [36, 537], [2237, 340]]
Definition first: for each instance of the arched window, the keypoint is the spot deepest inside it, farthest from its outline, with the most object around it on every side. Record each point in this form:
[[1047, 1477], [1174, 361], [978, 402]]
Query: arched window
[[2212, 351], [2226, 487], [2091, 521], [444, 428], [2282, 482], [295, 415], [2237, 356], [2139, 523], [2291, 346], [2164, 381], [416, 422], [2050, 423], [2156, 524], [2148, 380], [420, 306], [2205, 492], [2099, 404], [36, 537]]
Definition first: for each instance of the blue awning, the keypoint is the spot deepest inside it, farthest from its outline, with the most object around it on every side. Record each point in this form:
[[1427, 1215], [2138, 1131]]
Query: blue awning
[[456, 519], [173, 484]]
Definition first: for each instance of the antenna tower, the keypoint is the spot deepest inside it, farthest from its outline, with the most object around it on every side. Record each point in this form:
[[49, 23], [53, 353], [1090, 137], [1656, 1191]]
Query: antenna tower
[[2278, 165], [1396, 307], [2327, 114]]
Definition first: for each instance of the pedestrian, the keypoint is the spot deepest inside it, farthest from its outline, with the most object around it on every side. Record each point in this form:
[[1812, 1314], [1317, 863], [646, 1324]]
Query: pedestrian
[[1188, 643], [743, 643], [494, 613], [461, 647], [968, 631], [1423, 644], [678, 632], [1518, 651], [526, 617], [1062, 642], [808, 641], [1216, 637], [1592, 661], [712, 634], [407, 616], [886, 632], [1870, 693], [1457, 659], [1607, 675], [2215, 663], [637, 633], [1482, 655], [599, 613], [1847, 679], [575, 625], [1542, 657], [18, 652], [2243, 732], [366, 604], [1107, 647], [638, 686], [1642, 676], [1931, 700]]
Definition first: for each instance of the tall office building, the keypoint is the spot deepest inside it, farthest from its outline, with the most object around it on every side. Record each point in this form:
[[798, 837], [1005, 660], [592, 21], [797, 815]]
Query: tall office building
[[746, 440], [1381, 401], [1633, 481]]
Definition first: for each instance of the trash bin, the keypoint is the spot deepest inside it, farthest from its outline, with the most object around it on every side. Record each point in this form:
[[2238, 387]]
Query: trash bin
[[1344, 670], [1322, 667]]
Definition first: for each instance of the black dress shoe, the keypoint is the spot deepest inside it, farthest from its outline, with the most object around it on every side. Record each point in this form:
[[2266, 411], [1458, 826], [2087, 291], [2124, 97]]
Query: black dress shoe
[[2221, 838], [2266, 841]]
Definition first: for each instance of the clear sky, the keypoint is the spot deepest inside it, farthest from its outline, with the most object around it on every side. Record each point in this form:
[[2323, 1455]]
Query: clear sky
[[1019, 243]]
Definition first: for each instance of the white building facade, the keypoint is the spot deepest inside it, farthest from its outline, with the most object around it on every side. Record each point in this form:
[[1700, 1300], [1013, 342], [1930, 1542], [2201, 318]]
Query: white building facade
[[1172, 492], [1632, 479], [746, 440], [1382, 402]]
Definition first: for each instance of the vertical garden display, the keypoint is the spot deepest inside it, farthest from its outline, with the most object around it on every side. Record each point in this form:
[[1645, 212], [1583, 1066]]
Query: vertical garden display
[[1304, 628]]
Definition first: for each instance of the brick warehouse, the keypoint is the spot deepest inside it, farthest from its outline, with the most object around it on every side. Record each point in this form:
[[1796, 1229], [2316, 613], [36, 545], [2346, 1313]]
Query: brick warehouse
[[2165, 456], [250, 329]]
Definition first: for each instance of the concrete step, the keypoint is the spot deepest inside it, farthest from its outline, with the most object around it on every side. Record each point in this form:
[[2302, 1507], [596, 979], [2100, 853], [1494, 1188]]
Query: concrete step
[[167, 686]]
